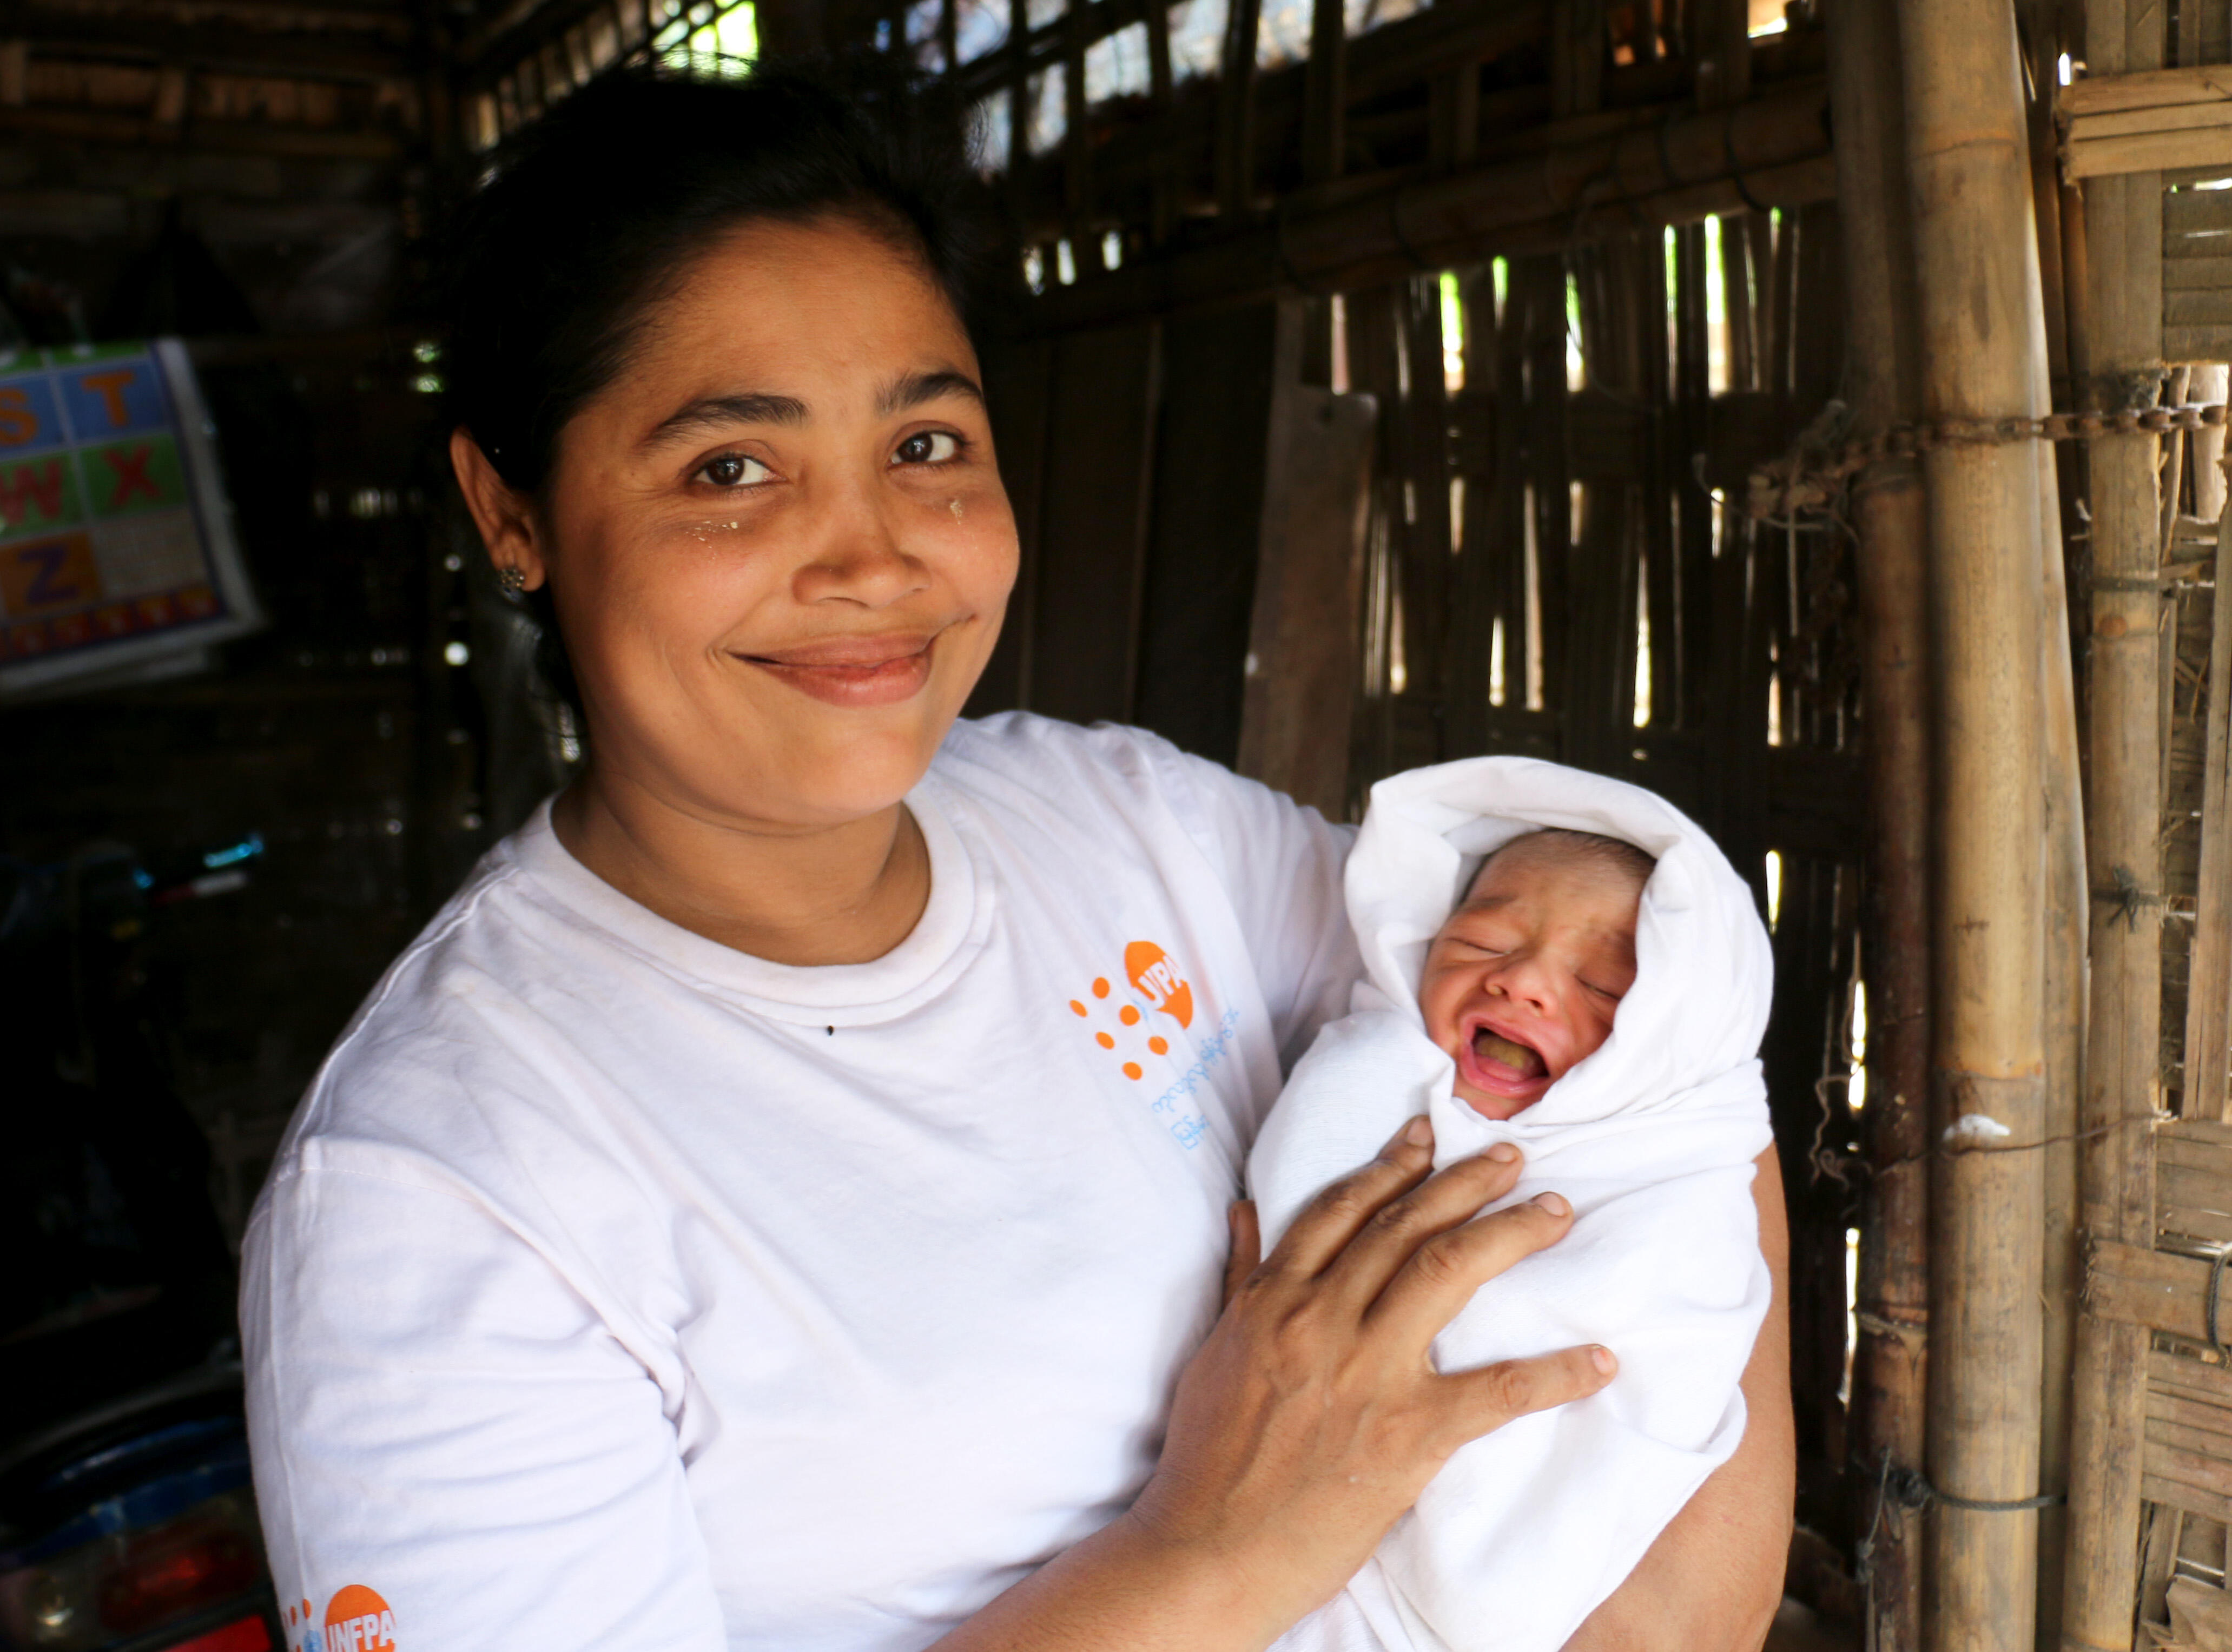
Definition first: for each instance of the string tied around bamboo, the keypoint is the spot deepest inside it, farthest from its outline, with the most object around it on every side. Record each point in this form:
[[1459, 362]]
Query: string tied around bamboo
[[1813, 473], [1900, 1486]]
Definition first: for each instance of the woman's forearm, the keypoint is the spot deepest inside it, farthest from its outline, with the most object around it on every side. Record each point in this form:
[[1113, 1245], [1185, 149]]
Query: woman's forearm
[[1713, 1580], [1126, 1589]]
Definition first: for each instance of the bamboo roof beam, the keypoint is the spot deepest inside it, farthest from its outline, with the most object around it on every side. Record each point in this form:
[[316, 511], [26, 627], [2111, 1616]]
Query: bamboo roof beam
[[1977, 258], [1773, 151]]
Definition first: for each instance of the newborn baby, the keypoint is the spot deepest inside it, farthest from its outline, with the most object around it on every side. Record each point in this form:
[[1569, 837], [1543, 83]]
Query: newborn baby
[[1568, 963], [1522, 981]]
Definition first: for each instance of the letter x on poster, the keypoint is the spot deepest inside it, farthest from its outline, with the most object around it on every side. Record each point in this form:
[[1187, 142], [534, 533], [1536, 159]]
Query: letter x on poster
[[117, 554]]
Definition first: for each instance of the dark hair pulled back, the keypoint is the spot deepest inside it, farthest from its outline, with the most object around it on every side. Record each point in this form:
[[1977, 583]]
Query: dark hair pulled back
[[605, 200], [597, 209]]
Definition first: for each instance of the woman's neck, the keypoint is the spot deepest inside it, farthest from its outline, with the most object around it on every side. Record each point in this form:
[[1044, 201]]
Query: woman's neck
[[827, 895]]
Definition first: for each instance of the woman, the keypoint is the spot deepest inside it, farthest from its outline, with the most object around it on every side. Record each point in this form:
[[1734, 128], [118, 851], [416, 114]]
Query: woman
[[781, 1201]]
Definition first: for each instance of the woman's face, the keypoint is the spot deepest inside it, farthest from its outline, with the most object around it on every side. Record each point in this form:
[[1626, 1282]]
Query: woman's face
[[777, 541]]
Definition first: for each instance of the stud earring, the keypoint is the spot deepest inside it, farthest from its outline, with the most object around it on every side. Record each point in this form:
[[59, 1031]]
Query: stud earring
[[511, 580]]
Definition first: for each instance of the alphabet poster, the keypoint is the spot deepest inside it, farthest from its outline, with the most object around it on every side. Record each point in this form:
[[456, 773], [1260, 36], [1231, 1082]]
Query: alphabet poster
[[117, 555]]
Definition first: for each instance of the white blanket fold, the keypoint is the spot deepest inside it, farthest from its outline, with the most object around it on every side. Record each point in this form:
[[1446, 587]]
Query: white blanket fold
[[1525, 1531]]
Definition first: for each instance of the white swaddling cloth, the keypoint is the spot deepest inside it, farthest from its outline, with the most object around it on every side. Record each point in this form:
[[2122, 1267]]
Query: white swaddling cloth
[[1525, 1531]]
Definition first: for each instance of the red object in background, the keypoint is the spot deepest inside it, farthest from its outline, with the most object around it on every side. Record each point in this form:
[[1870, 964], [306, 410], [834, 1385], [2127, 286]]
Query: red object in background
[[173, 1568], [248, 1635]]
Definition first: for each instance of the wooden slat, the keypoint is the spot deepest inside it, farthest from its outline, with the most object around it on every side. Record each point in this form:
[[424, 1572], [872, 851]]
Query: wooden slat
[[2151, 152], [2206, 1145], [2193, 1498], [2191, 1185], [2127, 123], [1610, 436], [1301, 691], [2186, 213], [1093, 517], [2212, 343], [2196, 1416], [1206, 545], [2201, 308], [2200, 1614], [2196, 1440], [2197, 274], [2177, 1375], [2180, 1466], [2098, 94], [2208, 982], [2146, 1287], [2190, 1223], [2212, 1132]]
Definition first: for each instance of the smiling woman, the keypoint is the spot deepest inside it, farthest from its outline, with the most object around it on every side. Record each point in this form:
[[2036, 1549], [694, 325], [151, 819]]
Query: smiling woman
[[782, 1199]]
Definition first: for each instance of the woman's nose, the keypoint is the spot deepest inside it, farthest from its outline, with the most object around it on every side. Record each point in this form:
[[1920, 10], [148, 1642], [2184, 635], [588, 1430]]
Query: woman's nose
[[860, 561]]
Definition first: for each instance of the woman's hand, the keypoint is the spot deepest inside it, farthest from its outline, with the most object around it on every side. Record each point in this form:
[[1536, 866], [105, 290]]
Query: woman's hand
[[1311, 1418]]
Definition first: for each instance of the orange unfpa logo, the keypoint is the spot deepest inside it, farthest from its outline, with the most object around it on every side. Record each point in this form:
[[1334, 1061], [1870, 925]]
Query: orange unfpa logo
[[1156, 979], [357, 1620]]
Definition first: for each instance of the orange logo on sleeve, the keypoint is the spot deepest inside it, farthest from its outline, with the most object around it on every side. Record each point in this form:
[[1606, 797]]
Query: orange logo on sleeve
[[1156, 979], [357, 1620]]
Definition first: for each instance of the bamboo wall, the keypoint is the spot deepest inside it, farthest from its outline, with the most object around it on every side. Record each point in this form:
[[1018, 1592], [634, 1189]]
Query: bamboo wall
[[1555, 561]]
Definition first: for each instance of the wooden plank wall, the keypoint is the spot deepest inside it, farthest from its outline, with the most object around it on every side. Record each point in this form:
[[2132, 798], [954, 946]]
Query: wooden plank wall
[[1565, 487], [1134, 457]]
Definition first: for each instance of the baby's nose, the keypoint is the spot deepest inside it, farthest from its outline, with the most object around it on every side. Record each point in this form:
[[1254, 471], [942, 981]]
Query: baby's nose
[[1525, 981]]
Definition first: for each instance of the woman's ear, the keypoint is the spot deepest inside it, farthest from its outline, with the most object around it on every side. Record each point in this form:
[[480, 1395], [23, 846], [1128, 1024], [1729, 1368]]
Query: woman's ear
[[505, 517]]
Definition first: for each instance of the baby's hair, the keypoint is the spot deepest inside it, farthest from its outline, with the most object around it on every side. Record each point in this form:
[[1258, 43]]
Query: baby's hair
[[1590, 849]]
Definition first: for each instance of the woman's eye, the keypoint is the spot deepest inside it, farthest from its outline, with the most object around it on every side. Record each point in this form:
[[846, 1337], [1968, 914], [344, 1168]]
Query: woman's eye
[[735, 470], [928, 447]]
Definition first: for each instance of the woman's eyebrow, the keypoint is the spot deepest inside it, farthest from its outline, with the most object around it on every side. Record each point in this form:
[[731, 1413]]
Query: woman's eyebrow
[[747, 407], [919, 387]]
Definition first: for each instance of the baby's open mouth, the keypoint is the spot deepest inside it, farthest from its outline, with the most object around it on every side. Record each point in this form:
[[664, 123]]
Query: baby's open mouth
[[1490, 1045]]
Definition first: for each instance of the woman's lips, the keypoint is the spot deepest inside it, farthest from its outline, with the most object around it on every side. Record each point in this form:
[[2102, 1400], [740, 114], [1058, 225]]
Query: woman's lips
[[854, 670]]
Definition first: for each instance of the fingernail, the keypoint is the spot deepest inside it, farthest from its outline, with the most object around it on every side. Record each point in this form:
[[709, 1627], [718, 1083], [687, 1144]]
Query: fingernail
[[1601, 1358], [1553, 1203], [1503, 1152], [1419, 1132]]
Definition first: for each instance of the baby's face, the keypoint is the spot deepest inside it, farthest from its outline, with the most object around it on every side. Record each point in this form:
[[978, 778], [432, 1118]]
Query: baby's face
[[1522, 982]]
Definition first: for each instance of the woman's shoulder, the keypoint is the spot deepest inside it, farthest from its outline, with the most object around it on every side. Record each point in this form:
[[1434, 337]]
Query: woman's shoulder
[[1128, 772], [1045, 753], [447, 1033]]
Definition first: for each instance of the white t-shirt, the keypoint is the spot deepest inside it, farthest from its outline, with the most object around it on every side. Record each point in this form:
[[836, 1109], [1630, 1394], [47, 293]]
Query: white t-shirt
[[613, 1289]]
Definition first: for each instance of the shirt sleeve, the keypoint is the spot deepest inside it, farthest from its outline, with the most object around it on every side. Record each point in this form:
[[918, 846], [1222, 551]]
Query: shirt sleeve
[[439, 1421], [1282, 862]]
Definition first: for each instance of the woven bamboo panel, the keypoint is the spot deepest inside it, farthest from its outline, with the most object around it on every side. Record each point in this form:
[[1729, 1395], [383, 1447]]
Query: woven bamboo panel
[[2198, 275]]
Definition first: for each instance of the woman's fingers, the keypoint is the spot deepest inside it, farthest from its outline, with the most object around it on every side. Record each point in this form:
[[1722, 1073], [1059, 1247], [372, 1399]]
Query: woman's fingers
[[1330, 1221], [1402, 1227], [1247, 1245], [1442, 1271], [1483, 1401]]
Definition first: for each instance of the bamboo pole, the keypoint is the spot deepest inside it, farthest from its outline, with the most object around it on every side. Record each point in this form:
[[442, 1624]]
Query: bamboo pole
[[2115, 353], [2208, 979], [2063, 915], [2064, 910], [1975, 257], [1891, 519]]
